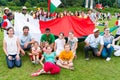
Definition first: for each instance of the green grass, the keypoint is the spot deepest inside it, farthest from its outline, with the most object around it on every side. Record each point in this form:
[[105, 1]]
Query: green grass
[[95, 69]]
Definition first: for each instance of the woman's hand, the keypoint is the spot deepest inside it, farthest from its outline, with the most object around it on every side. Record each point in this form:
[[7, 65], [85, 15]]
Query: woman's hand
[[10, 57], [17, 57]]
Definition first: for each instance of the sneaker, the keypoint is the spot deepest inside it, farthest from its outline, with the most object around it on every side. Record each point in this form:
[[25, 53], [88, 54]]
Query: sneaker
[[33, 62], [87, 59], [71, 68], [108, 59]]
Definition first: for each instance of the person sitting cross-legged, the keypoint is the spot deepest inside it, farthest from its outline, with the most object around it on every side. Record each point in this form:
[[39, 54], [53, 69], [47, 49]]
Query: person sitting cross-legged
[[65, 59]]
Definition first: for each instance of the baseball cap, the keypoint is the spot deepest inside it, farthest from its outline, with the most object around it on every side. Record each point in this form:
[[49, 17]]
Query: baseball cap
[[24, 7], [6, 8], [95, 30], [107, 29]]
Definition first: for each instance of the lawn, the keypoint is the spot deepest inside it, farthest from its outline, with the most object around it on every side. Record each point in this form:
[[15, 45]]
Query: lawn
[[94, 69]]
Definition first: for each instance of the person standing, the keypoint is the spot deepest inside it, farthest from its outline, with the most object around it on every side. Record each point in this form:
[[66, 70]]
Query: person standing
[[7, 23]]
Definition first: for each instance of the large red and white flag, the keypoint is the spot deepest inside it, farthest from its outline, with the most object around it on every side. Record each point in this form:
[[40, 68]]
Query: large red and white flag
[[80, 26]]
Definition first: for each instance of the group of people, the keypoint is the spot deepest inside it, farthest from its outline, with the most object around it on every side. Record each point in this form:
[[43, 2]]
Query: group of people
[[56, 52]]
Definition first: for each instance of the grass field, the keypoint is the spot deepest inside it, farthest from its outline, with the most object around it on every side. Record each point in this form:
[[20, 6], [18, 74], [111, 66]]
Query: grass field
[[94, 69]]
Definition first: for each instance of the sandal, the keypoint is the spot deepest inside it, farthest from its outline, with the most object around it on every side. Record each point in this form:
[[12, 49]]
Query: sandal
[[34, 74]]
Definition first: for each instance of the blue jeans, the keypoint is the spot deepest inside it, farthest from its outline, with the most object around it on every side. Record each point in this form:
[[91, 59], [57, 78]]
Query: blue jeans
[[107, 52], [13, 62]]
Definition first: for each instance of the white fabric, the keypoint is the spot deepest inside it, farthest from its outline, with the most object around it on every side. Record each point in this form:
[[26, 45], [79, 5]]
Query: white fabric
[[118, 30], [56, 3], [22, 20], [94, 42], [117, 48], [9, 24], [117, 53], [11, 45], [60, 45]]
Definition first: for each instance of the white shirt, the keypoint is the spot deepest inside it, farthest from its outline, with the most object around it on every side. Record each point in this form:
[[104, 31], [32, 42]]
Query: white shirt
[[60, 45], [94, 42], [11, 45]]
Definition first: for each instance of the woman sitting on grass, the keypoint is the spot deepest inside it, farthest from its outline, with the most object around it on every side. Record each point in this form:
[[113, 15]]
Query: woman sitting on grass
[[49, 66], [11, 48], [66, 58], [107, 49]]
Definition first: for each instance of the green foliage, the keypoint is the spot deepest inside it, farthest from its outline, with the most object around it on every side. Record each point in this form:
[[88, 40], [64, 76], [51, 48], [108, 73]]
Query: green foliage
[[27, 4], [11, 4], [42, 4], [3, 2]]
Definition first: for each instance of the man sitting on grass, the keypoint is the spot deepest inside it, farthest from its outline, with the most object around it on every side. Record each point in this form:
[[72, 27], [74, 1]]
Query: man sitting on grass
[[92, 42]]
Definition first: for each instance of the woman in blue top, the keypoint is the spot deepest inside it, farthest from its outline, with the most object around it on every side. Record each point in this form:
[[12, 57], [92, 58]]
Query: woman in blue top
[[107, 49], [49, 66]]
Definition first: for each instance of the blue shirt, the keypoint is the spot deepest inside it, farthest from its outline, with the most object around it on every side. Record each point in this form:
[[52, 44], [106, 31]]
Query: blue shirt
[[50, 57], [25, 39]]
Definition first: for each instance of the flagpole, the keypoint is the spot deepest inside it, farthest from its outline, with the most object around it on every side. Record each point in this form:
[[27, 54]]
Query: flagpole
[[48, 5], [63, 5]]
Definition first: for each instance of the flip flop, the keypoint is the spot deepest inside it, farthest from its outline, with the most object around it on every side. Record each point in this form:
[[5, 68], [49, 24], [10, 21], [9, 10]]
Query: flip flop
[[34, 74]]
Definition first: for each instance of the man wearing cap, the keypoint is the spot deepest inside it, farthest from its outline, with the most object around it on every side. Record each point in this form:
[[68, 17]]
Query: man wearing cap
[[92, 42], [24, 10], [24, 14]]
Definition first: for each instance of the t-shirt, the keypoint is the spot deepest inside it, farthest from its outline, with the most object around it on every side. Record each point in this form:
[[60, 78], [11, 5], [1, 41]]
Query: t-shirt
[[24, 39], [66, 56], [60, 45], [36, 50], [72, 42], [94, 42], [50, 38], [108, 39], [49, 57], [11, 45]]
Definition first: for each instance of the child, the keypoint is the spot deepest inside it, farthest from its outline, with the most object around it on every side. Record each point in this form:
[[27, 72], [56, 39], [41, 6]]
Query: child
[[73, 42], [66, 58], [59, 44], [45, 46], [49, 66], [35, 52]]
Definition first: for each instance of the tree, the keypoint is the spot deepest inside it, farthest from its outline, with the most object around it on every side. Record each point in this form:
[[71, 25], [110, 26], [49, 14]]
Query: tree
[[3, 2], [17, 2], [27, 4]]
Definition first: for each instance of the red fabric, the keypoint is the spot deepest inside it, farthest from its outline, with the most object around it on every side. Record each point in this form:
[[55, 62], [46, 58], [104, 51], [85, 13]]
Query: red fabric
[[116, 23], [4, 17], [80, 26], [4, 24], [52, 68], [99, 6]]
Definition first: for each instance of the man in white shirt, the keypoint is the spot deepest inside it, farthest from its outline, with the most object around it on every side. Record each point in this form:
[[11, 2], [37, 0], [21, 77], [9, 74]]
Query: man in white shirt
[[92, 42]]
